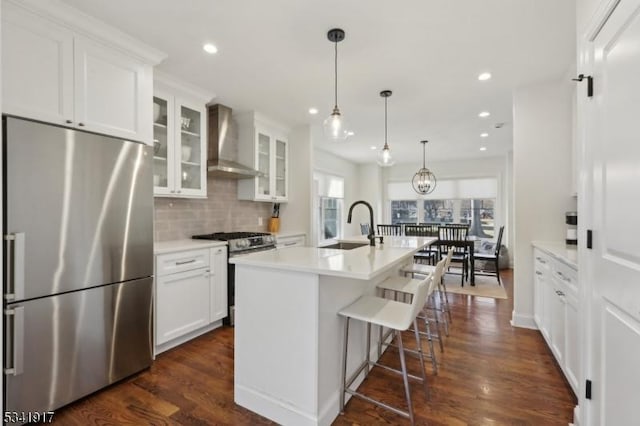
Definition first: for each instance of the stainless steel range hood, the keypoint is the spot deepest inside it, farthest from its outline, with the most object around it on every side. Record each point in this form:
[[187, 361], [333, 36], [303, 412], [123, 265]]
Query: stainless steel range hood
[[222, 150]]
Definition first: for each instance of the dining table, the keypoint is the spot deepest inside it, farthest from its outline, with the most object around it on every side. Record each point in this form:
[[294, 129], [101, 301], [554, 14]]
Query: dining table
[[469, 245]]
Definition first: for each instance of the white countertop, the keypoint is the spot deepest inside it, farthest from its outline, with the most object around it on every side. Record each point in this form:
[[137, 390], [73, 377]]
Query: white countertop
[[559, 250], [186, 244], [361, 263]]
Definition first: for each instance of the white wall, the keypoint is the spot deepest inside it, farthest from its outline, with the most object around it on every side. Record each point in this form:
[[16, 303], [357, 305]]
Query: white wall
[[295, 216], [369, 189], [324, 161], [508, 195], [542, 135]]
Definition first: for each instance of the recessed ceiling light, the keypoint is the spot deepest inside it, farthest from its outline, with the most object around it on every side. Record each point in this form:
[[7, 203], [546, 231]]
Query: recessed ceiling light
[[350, 133], [210, 48], [313, 110], [373, 147], [484, 114], [484, 76], [484, 135], [483, 148]]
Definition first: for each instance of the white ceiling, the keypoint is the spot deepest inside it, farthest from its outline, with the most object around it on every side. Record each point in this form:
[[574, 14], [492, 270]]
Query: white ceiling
[[274, 57]]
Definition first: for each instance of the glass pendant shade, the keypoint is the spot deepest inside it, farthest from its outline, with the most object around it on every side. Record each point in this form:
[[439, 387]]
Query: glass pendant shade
[[384, 156], [424, 181], [385, 159], [335, 127]]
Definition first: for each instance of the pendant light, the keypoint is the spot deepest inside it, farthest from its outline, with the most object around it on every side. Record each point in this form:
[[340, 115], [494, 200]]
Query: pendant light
[[334, 126], [384, 156], [424, 182]]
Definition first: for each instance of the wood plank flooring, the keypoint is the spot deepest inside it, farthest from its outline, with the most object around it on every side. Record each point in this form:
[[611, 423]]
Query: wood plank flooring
[[490, 374]]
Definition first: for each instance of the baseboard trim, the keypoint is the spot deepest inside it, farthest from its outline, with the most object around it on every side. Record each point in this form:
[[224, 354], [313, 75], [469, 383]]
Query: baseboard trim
[[185, 338], [271, 408], [523, 321]]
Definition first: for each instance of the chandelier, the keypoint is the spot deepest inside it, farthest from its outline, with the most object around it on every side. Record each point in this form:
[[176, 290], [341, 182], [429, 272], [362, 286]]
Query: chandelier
[[424, 181]]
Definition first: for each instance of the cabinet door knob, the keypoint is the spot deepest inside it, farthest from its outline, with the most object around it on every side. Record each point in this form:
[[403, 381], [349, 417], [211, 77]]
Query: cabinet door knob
[[68, 121], [172, 191], [179, 191], [81, 124]]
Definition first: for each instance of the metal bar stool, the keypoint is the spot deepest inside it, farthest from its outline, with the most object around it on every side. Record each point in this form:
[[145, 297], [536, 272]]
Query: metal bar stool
[[402, 286], [405, 287], [397, 316], [426, 270]]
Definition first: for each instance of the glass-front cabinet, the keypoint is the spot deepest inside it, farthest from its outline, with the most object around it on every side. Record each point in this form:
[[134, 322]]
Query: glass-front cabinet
[[179, 159], [263, 146]]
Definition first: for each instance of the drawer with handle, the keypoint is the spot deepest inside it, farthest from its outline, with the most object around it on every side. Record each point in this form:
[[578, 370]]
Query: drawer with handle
[[181, 261], [542, 261]]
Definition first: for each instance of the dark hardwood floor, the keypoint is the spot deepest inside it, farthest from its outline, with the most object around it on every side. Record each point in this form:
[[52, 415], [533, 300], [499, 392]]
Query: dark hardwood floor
[[490, 374]]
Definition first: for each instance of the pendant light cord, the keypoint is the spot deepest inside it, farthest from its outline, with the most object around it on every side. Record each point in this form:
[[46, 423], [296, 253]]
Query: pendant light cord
[[386, 146], [335, 74], [424, 155]]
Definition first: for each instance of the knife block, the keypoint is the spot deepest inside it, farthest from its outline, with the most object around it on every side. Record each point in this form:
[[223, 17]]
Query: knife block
[[274, 225]]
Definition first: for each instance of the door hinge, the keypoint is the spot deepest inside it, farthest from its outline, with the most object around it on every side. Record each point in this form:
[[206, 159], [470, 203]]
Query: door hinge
[[589, 239], [581, 77], [588, 390]]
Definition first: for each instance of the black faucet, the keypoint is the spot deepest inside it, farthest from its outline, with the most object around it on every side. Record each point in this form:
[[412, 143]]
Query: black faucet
[[371, 237]]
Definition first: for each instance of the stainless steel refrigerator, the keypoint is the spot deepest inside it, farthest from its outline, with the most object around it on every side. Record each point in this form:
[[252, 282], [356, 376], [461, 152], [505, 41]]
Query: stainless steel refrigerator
[[78, 263]]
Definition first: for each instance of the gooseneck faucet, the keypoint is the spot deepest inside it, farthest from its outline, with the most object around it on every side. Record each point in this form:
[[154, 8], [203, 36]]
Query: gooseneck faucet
[[372, 240]]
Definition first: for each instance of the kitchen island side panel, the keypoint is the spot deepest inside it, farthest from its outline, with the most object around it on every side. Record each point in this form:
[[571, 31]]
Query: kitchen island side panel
[[276, 344]]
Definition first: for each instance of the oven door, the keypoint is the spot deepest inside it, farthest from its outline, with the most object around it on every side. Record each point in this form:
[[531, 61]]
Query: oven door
[[231, 282]]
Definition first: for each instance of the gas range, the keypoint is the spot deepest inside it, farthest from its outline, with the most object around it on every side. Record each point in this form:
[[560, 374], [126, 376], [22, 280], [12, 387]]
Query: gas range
[[242, 242]]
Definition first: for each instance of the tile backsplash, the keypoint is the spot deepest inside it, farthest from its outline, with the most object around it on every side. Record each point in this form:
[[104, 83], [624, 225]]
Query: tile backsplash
[[177, 218]]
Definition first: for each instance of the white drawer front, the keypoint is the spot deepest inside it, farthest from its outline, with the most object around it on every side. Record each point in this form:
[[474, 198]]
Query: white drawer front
[[566, 275], [181, 261], [291, 241], [542, 261]]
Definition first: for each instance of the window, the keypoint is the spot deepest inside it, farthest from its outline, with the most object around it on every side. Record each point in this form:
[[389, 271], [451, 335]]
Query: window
[[469, 201], [330, 218], [478, 213], [329, 206], [404, 211]]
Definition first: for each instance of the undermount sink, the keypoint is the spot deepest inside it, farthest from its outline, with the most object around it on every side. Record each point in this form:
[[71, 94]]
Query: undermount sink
[[345, 246]]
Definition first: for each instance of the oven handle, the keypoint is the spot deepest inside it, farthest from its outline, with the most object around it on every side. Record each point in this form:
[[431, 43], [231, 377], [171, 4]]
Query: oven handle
[[251, 251]]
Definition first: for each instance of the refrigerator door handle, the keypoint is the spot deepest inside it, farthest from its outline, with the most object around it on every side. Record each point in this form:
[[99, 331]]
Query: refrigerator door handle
[[14, 323], [15, 266]]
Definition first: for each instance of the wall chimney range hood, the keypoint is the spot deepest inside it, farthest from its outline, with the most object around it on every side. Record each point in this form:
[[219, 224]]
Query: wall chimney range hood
[[222, 148]]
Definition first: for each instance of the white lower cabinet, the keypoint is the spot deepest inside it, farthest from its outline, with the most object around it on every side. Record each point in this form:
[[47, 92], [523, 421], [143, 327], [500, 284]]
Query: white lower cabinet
[[183, 303], [556, 312], [218, 297], [190, 294]]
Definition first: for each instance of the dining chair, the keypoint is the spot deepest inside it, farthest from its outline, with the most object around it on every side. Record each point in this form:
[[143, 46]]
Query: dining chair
[[492, 257], [389, 230], [455, 232], [432, 228], [430, 254]]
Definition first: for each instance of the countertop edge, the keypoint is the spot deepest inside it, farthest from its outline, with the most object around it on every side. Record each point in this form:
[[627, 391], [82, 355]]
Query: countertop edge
[[164, 247], [557, 250], [410, 252]]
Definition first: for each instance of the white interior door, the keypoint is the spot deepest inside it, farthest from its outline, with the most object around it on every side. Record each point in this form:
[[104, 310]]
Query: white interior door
[[614, 266]]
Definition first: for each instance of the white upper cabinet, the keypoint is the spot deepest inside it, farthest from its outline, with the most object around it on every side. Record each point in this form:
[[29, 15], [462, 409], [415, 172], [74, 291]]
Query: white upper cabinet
[[37, 67], [112, 91], [180, 138], [263, 145], [64, 67]]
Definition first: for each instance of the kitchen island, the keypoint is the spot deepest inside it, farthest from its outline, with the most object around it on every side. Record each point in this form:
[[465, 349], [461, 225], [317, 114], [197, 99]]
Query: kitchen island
[[288, 335]]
